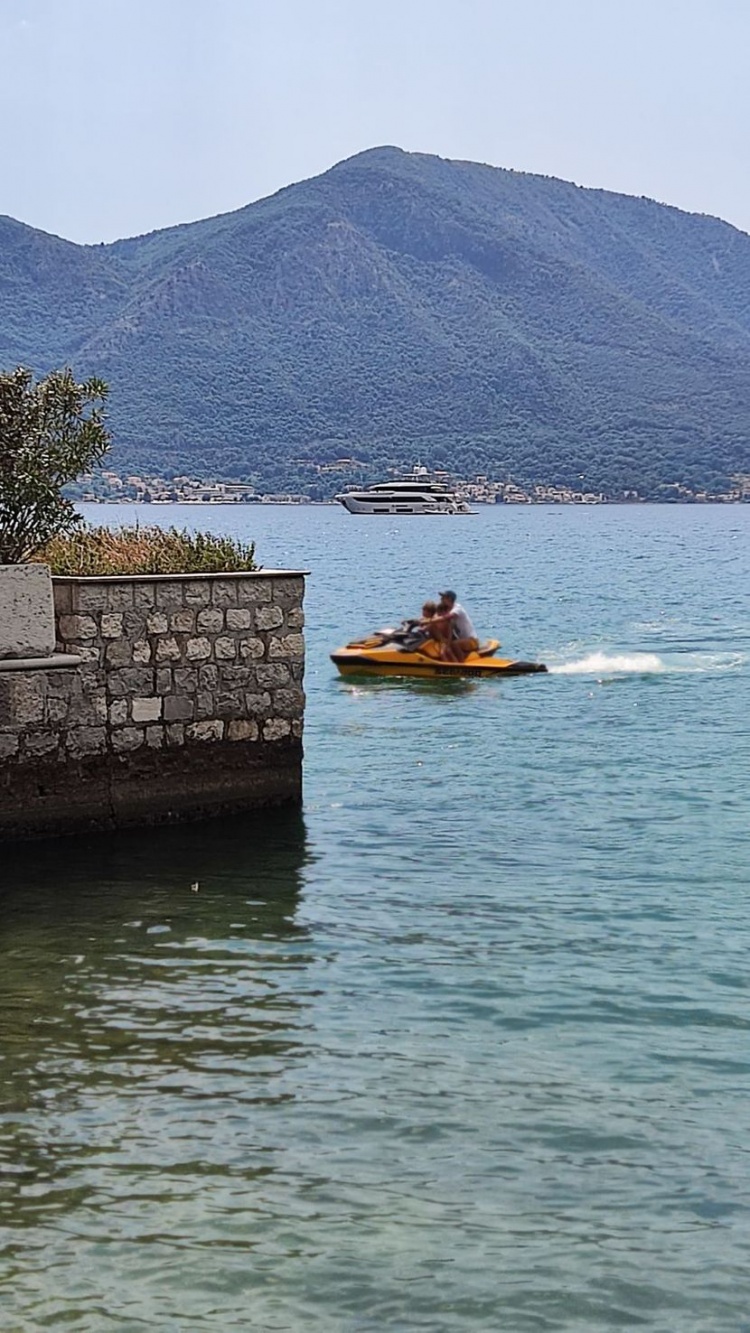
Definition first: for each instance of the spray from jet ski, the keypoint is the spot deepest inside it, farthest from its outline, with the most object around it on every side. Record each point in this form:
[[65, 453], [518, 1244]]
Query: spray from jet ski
[[611, 666]]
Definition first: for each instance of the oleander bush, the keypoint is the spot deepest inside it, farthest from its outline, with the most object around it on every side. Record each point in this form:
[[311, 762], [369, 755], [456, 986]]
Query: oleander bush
[[51, 430], [146, 550]]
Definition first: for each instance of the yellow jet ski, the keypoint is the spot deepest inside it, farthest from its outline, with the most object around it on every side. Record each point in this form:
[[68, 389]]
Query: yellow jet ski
[[395, 653]]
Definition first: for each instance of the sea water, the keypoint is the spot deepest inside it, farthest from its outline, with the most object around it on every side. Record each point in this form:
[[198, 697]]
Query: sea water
[[465, 1045]]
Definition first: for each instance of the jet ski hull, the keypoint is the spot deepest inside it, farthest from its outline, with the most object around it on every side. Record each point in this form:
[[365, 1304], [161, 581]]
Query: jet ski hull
[[358, 659]]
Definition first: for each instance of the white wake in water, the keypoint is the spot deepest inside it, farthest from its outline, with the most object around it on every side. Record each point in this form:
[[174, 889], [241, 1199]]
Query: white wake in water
[[606, 664], [647, 664]]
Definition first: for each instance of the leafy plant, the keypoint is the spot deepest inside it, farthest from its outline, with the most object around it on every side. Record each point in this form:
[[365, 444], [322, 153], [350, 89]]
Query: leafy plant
[[146, 550], [50, 432]]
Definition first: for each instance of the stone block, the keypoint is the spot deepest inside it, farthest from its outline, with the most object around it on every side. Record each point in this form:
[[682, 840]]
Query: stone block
[[251, 592], [163, 680], [182, 621], [7, 716], [169, 595], [27, 698], [224, 592], [81, 741], [39, 743], [276, 728], [118, 712], [225, 649], [88, 676], [118, 653], [168, 650], [56, 710], [229, 703], [175, 734], [141, 651], [62, 595], [111, 625], [291, 645], [205, 731], [257, 705], [208, 676], [120, 595], [289, 702], [157, 622], [90, 652], [8, 746], [144, 597], [204, 705], [295, 618], [242, 730], [133, 624], [90, 672], [64, 683], [297, 727], [155, 737], [87, 710], [128, 738], [130, 680], [76, 627], [178, 709], [252, 649], [270, 675], [186, 680], [234, 675], [239, 617], [197, 649], [146, 710], [210, 621], [288, 592], [269, 617], [89, 596], [198, 593]]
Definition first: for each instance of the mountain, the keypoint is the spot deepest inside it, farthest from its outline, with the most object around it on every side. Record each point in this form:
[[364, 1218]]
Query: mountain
[[403, 307]]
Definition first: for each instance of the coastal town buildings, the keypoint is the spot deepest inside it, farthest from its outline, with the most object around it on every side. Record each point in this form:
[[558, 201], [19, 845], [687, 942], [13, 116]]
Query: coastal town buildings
[[109, 487]]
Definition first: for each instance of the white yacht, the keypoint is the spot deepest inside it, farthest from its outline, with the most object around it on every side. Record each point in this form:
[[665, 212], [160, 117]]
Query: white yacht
[[415, 494]]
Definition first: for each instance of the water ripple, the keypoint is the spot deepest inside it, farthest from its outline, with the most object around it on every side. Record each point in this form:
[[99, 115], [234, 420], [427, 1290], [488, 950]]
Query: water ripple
[[464, 1050]]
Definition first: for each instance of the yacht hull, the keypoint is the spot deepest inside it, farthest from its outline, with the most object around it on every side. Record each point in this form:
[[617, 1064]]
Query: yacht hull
[[377, 506]]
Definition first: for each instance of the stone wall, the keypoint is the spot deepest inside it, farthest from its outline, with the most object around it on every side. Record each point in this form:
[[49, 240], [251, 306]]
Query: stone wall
[[186, 701]]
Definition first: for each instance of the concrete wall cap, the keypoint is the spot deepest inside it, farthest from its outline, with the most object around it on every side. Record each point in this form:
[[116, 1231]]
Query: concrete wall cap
[[56, 662], [186, 578]]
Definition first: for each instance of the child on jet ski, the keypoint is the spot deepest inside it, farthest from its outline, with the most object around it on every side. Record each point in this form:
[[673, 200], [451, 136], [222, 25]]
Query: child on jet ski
[[417, 631]]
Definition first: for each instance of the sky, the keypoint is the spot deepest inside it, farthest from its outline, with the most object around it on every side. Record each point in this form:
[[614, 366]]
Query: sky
[[124, 116]]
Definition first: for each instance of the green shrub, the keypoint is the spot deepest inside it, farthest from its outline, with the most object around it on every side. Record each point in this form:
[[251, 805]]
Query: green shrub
[[51, 431], [147, 550]]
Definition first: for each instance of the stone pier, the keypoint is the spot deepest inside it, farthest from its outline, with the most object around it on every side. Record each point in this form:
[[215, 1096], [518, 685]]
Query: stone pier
[[169, 697]]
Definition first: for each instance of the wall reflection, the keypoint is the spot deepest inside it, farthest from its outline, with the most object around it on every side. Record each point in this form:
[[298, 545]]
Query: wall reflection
[[153, 984]]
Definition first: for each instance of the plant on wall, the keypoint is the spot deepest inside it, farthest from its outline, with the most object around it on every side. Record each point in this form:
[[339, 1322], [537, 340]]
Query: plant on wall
[[146, 550], [51, 431]]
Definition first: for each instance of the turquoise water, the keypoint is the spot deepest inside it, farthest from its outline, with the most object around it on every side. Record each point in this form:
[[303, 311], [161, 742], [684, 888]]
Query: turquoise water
[[466, 1046]]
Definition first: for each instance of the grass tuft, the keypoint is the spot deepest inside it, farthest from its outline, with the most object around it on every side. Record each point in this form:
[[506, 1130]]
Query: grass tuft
[[147, 550]]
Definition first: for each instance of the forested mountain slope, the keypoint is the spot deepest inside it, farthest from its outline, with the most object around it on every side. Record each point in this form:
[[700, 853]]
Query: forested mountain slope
[[403, 306]]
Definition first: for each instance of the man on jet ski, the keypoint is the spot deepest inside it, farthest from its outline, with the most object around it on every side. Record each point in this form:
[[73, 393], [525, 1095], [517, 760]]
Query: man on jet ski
[[452, 629]]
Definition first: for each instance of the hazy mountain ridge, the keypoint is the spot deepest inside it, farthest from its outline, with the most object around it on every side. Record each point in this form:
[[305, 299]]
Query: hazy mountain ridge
[[398, 305]]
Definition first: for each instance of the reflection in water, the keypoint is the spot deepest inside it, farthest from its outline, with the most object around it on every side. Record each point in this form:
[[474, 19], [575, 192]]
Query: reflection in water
[[145, 977], [431, 687]]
